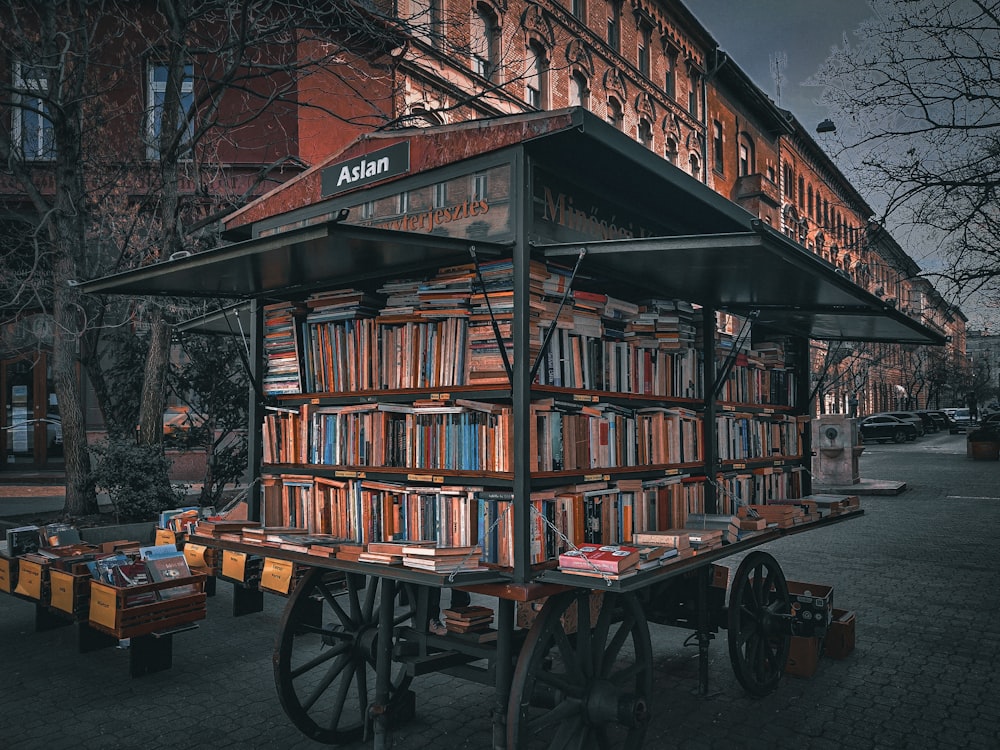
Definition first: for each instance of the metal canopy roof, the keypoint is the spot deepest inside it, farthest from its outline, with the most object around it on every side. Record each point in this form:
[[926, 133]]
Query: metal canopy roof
[[292, 263], [794, 291]]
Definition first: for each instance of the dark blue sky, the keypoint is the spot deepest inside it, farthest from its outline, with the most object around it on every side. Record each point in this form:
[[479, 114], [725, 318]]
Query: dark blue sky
[[753, 31]]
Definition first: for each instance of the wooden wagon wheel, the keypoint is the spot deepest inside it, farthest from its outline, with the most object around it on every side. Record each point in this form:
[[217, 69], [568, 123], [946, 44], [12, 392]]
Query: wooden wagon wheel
[[588, 688], [759, 608], [324, 658]]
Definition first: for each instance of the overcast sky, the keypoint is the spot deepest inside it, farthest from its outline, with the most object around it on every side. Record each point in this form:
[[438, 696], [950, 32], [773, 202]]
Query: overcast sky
[[804, 31]]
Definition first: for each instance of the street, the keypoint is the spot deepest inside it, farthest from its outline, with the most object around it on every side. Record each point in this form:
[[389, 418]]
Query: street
[[918, 569]]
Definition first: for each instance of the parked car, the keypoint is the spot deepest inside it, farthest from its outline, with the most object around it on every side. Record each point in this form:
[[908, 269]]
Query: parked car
[[934, 420], [961, 421], [991, 420], [912, 418], [881, 428]]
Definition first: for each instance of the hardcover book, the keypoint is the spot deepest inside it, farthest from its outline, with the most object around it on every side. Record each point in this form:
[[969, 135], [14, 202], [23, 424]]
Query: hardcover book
[[171, 568], [607, 559]]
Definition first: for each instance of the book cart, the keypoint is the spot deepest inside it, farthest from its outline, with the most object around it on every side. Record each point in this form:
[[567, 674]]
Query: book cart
[[542, 213]]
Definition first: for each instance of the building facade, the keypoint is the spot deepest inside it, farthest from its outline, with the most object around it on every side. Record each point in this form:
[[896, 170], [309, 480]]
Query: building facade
[[648, 68]]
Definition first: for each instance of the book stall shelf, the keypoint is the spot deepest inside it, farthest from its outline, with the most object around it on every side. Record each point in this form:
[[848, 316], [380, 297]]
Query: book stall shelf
[[589, 356]]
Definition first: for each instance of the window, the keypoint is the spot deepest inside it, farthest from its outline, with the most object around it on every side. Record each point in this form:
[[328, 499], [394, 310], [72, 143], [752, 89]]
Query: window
[[614, 25], [670, 151], [484, 41], [747, 159], [693, 94], [694, 165], [670, 79], [645, 133], [440, 195], [789, 186], [480, 186], [579, 95], [33, 133], [427, 20], [580, 9], [642, 54], [155, 99], [718, 153], [403, 205], [536, 77], [770, 173], [802, 191], [809, 200], [368, 209], [615, 115]]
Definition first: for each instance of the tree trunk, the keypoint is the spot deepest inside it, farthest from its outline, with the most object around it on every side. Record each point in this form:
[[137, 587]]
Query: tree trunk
[[154, 381], [80, 497]]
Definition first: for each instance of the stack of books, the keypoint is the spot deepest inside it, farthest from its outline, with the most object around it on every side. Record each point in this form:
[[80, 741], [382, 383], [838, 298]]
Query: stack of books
[[728, 525], [471, 619], [783, 516], [677, 539], [442, 559], [389, 553], [606, 561], [705, 539]]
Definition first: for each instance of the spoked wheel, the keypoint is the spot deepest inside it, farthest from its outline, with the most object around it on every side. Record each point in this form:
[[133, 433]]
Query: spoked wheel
[[585, 689], [325, 655], [758, 623]]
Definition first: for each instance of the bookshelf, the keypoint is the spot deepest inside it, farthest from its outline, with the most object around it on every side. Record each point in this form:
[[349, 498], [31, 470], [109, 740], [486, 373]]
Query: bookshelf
[[404, 425]]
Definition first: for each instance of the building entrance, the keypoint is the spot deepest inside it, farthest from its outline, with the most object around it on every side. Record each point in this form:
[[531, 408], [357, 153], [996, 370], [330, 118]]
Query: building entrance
[[31, 434]]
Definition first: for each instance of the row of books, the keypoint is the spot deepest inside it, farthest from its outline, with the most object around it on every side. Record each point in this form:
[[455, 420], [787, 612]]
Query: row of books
[[746, 436], [363, 511], [449, 331], [476, 436]]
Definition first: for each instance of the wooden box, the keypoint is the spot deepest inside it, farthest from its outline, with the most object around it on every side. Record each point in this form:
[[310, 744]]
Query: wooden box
[[33, 580], [839, 640], [803, 656], [202, 559], [812, 607], [527, 612], [8, 574], [70, 592], [110, 612]]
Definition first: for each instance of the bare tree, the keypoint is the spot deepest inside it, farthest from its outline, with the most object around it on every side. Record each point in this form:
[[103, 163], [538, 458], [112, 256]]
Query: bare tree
[[208, 85], [919, 96]]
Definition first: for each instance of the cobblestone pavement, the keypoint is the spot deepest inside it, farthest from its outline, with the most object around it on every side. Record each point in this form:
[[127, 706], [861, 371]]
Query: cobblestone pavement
[[919, 569]]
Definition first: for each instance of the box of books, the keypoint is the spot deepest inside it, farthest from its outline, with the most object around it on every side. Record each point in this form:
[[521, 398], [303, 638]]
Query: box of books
[[33, 577], [69, 592], [156, 592], [812, 607]]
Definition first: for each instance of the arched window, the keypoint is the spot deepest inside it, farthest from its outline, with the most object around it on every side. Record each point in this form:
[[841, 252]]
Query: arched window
[[802, 191], [670, 151], [645, 133], [695, 166], [536, 76], [615, 113], [485, 32], [809, 200], [579, 91]]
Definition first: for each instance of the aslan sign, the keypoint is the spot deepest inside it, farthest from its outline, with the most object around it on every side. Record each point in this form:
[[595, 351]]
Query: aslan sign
[[361, 170]]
